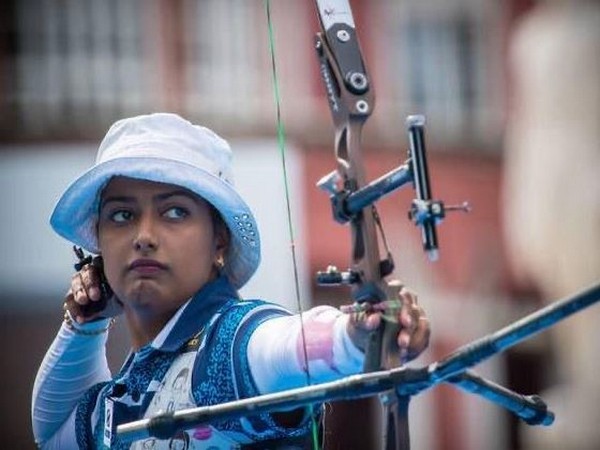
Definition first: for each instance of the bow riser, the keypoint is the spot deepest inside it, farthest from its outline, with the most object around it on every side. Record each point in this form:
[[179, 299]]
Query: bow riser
[[340, 63], [351, 102]]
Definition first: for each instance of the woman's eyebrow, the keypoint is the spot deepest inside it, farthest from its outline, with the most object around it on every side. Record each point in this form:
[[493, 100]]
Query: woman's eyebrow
[[157, 198], [179, 192], [116, 198]]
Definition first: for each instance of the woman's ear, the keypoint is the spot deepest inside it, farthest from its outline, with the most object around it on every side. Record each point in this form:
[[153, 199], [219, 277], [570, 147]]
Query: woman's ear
[[221, 246], [222, 236], [222, 239]]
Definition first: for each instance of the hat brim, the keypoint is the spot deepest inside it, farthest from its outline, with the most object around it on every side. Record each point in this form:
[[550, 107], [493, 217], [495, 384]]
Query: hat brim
[[75, 215]]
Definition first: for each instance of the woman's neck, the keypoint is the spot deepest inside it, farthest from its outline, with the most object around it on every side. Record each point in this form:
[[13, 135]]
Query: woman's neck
[[144, 326]]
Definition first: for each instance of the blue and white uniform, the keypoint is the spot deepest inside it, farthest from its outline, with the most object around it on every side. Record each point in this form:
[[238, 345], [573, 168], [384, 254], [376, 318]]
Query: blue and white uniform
[[216, 348]]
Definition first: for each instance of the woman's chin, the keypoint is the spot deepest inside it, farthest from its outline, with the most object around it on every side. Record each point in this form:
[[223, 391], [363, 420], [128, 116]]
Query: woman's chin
[[143, 293]]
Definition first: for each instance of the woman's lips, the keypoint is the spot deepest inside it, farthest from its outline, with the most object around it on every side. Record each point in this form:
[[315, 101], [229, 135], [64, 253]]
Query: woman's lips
[[147, 266]]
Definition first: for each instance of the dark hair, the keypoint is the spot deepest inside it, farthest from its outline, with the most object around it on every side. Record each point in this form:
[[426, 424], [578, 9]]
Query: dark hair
[[219, 225]]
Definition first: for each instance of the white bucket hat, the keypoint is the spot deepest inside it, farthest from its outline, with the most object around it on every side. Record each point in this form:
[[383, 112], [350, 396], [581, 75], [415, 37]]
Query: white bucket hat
[[167, 149]]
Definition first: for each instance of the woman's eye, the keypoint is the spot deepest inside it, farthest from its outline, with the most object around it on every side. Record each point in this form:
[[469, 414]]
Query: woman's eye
[[121, 216], [176, 213]]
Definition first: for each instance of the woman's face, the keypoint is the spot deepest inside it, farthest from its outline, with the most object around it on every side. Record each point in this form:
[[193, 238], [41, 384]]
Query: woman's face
[[158, 243]]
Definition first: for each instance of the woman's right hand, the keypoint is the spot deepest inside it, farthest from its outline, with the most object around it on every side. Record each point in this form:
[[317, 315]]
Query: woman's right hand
[[85, 300]]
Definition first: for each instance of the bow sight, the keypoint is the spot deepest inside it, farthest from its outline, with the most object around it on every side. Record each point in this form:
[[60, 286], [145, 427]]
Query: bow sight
[[424, 211]]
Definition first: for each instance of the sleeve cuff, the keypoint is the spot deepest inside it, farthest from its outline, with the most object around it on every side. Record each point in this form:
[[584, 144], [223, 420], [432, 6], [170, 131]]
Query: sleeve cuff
[[93, 328], [348, 358]]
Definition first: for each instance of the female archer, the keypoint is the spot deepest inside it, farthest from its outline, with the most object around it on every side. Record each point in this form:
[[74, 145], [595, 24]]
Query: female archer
[[176, 242]]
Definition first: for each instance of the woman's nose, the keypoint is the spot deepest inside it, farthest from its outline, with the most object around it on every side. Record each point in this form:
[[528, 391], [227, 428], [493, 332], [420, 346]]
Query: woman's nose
[[145, 238]]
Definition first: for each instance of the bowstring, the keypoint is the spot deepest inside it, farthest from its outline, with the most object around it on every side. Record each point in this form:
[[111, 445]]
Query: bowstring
[[281, 145]]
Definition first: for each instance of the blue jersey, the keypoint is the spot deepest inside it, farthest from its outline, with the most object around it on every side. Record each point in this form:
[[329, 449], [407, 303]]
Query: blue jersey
[[202, 361]]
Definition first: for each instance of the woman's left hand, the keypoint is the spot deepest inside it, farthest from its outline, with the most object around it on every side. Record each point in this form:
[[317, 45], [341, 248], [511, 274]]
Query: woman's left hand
[[414, 333]]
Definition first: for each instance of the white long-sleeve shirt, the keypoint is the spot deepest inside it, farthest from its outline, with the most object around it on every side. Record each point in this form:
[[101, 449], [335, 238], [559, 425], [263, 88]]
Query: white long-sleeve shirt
[[275, 353]]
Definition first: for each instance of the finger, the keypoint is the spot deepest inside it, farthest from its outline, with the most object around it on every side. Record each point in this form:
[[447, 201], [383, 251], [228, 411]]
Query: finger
[[416, 312], [80, 313], [408, 297], [420, 338], [415, 328], [73, 308], [407, 317], [75, 282], [70, 304], [91, 282], [372, 321], [410, 314], [69, 299], [404, 339], [366, 321], [86, 285], [411, 304], [407, 323], [77, 288]]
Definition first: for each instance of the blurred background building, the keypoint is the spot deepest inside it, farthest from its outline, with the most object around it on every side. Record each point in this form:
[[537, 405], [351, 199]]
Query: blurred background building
[[69, 68]]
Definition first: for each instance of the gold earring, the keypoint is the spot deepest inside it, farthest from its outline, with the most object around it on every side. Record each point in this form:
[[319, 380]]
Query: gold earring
[[220, 262]]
